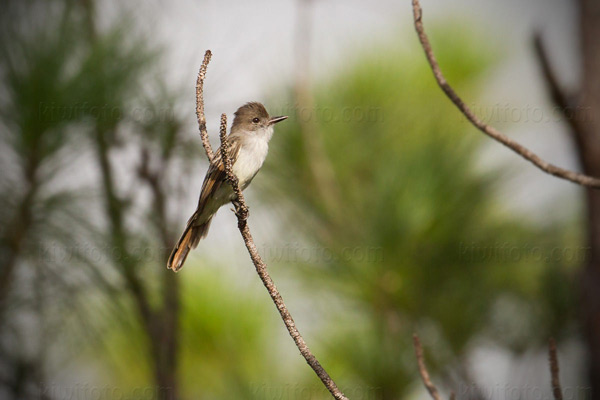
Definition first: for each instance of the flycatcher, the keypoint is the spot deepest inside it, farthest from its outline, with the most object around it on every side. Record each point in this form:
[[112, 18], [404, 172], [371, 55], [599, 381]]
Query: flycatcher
[[248, 146]]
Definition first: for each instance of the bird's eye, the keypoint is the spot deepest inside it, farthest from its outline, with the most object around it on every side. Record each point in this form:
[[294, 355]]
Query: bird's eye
[[255, 120]]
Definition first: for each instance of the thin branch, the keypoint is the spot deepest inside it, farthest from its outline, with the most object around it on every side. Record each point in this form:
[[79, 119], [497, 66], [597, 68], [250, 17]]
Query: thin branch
[[556, 389], [560, 99], [435, 395], [241, 212], [170, 307], [114, 212], [16, 235], [492, 132], [200, 105]]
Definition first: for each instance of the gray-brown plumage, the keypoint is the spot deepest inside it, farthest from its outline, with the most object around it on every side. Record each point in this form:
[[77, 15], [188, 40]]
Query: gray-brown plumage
[[248, 146]]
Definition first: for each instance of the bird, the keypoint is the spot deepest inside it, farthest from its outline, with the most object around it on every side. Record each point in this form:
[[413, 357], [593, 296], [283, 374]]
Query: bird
[[248, 140]]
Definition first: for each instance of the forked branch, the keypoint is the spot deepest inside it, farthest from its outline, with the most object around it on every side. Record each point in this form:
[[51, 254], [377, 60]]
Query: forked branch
[[241, 211], [492, 132], [200, 105]]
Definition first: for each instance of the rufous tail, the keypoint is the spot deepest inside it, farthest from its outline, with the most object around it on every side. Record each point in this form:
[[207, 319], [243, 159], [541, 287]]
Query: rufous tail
[[189, 240]]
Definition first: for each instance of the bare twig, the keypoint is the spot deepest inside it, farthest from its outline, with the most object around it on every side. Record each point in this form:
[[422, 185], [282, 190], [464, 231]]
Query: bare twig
[[169, 312], [200, 105], [559, 97], [16, 235], [492, 132], [556, 389], [435, 395], [241, 212]]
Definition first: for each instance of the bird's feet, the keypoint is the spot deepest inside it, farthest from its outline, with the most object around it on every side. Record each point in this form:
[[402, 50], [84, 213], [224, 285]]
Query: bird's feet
[[241, 210]]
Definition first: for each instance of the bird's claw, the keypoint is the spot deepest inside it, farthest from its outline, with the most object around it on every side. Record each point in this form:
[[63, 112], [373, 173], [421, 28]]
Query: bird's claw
[[241, 210]]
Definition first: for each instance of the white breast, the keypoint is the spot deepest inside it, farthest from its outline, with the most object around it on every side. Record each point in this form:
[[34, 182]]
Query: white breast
[[251, 157]]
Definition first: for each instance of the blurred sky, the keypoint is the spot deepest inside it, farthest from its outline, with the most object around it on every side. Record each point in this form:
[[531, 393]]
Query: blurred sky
[[253, 45]]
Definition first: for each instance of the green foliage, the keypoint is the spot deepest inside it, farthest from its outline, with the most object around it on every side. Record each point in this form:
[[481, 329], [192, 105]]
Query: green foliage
[[227, 338], [66, 87], [413, 232], [227, 346]]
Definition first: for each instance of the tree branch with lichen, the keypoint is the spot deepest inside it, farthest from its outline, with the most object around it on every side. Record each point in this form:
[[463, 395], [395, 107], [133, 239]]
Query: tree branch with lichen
[[200, 105]]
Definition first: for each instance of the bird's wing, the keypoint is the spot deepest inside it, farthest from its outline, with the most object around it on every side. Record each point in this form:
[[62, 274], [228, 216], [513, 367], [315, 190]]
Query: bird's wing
[[215, 176]]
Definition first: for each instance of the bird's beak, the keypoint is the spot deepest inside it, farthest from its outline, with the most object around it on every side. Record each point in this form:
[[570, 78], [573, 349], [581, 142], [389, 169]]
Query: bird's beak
[[275, 120]]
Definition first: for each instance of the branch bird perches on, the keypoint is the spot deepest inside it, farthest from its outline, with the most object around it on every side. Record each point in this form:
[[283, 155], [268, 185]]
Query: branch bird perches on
[[241, 212]]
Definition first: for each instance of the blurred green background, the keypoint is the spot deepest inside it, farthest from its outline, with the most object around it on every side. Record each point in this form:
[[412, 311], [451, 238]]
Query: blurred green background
[[373, 211]]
